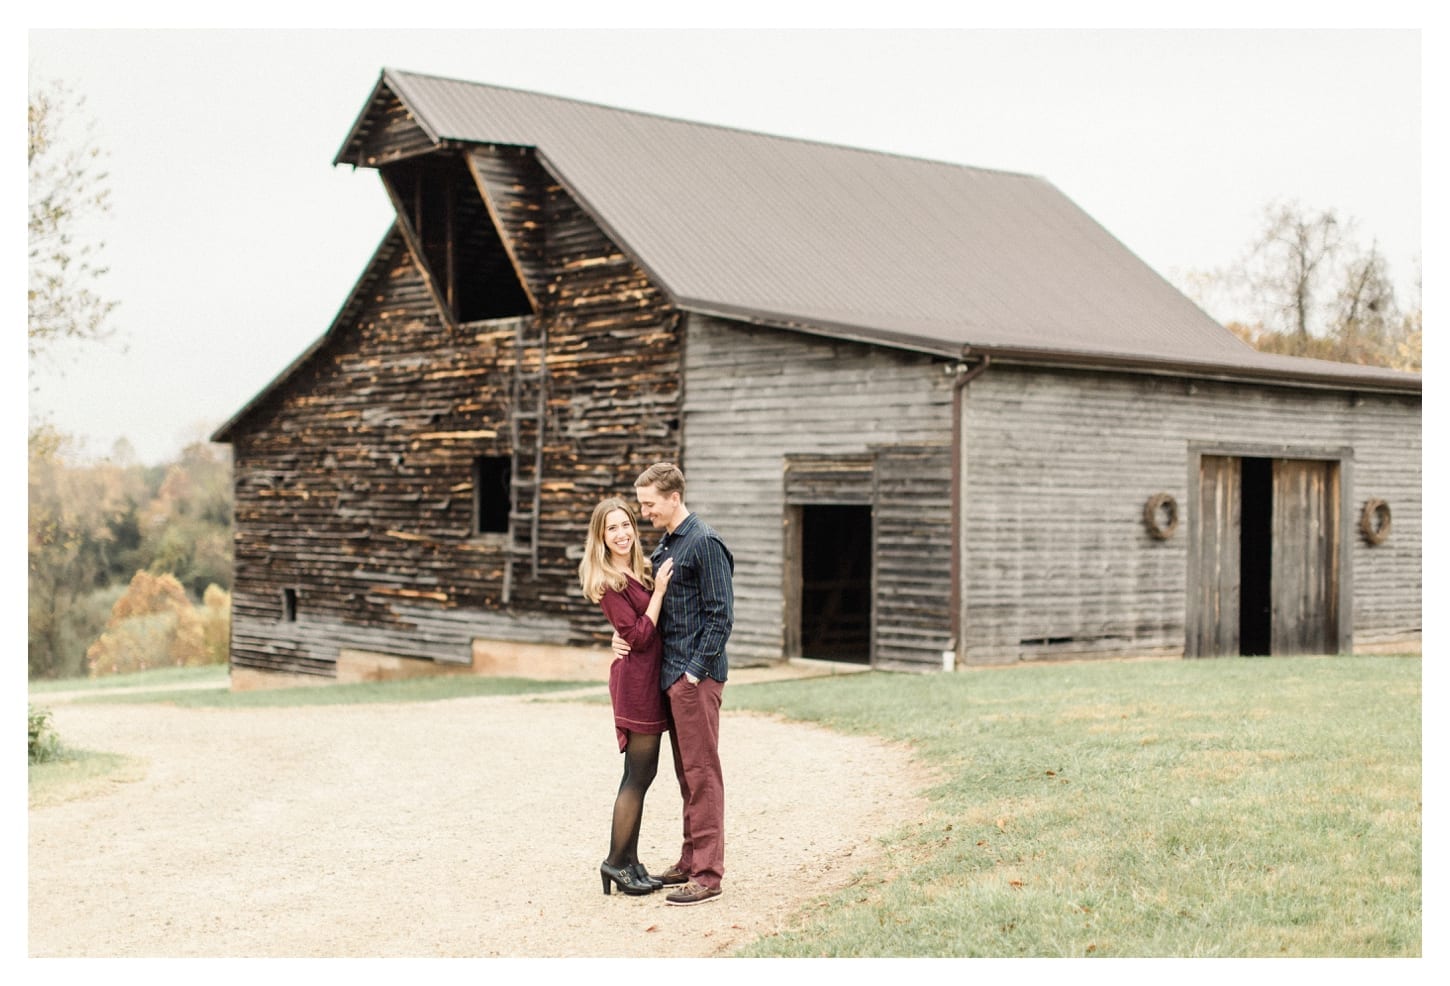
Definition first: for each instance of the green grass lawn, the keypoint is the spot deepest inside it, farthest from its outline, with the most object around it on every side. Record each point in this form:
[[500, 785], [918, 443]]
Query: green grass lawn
[[1230, 807], [214, 673], [1227, 807]]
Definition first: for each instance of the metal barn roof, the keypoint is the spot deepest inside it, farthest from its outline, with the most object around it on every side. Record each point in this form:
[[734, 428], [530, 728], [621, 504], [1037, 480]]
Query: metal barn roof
[[853, 243]]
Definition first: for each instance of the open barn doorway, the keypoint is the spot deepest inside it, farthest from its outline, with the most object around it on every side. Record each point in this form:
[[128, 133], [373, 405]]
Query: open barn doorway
[[1256, 556], [1268, 570], [833, 563]]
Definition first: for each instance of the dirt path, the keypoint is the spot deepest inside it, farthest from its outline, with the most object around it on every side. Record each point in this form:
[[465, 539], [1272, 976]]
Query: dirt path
[[470, 827]]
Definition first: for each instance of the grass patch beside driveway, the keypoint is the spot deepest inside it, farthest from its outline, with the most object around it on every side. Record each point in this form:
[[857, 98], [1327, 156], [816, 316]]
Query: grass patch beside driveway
[[1228, 807]]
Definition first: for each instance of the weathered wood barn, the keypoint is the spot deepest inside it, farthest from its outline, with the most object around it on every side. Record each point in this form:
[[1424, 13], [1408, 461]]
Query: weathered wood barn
[[941, 416]]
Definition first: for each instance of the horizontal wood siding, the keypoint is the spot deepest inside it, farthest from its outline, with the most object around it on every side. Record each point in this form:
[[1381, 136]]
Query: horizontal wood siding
[[753, 397], [1059, 464], [835, 479], [913, 558], [1387, 603], [354, 476]]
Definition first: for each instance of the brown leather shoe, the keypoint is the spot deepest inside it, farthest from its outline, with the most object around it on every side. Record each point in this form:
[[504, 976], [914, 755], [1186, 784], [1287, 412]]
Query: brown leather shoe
[[672, 876], [693, 893]]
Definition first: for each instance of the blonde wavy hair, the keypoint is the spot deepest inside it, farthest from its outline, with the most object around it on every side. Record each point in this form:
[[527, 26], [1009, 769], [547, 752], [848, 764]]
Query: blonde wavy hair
[[596, 574]]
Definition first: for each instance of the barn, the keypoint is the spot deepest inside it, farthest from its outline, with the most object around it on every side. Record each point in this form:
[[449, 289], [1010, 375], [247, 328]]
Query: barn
[[942, 417]]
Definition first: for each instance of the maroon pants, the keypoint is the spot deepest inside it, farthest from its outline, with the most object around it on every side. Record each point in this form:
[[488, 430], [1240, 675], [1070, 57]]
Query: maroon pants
[[694, 716]]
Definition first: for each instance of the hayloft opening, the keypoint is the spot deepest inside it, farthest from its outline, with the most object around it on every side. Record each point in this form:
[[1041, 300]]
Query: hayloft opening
[[473, 272], [835, 598]]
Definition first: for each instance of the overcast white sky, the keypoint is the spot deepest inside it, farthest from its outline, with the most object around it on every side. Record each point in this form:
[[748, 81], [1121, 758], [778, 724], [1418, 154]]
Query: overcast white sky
[[233, 240]]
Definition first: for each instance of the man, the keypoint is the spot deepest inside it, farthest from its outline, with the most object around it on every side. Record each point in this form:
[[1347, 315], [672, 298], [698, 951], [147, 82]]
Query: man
[[694, 624]]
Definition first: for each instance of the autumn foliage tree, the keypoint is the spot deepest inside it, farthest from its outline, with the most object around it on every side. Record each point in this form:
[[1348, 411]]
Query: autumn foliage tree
[[154, 624]]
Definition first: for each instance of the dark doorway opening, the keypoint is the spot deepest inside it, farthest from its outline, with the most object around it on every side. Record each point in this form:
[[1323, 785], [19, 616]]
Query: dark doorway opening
[[835, 609], [492, 475], [1256, 558]]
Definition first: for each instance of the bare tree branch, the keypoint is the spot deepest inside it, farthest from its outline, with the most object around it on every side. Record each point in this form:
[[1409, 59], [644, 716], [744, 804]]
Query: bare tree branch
[[67, 185]]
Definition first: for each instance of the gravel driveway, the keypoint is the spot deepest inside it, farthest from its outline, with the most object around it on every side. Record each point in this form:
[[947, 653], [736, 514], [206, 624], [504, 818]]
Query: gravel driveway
[[470, 827]]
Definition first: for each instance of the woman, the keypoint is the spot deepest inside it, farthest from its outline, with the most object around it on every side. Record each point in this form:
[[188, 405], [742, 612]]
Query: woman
[[615, 574]]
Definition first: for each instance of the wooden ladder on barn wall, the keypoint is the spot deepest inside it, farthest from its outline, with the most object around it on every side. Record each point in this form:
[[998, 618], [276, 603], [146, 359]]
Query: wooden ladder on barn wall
[[527, 426]]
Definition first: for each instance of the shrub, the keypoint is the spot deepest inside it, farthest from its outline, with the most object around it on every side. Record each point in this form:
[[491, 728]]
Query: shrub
[[216, 618], [155, 625], [44, 741], [135, 643]]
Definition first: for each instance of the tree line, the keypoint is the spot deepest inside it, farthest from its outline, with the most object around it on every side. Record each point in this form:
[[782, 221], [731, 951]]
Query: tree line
[[130, 565]]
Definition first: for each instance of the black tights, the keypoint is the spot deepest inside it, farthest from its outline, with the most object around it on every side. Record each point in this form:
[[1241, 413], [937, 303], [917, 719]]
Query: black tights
[[641, 760]]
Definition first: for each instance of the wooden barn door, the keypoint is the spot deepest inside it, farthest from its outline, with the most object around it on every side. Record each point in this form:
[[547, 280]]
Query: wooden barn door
[[1213, 623], [1305, 567], [1266, 563], [912, 556]]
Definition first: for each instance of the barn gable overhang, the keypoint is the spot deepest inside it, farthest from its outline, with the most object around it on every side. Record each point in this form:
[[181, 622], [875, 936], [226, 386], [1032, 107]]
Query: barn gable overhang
[[385, 113]]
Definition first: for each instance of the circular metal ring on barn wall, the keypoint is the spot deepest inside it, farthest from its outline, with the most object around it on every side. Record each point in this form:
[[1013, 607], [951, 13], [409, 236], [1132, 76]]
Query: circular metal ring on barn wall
[[1154, 511], [1374, 522]]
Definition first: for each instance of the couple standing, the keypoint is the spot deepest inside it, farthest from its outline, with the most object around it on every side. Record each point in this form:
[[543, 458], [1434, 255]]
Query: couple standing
[[671, 618]]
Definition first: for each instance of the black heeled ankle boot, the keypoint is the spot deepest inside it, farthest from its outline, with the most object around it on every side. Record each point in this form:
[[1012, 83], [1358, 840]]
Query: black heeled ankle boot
[[624, 878], [643, 875]]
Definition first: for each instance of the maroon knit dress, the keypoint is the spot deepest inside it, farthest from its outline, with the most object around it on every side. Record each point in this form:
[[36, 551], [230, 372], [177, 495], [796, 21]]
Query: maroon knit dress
[[634, 680]]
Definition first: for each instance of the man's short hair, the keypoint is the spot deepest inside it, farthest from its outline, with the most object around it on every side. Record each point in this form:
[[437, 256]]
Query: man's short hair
[[663, 476]]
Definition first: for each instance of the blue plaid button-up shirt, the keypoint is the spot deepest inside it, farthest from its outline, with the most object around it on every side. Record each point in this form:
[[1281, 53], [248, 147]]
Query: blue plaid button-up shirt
[[699, 607]]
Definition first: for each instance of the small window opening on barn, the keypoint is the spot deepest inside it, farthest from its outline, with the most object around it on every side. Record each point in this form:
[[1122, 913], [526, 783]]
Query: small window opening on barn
[[492, 475], [289, 605], [1256, 549], [835, 608], [465, 256]]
